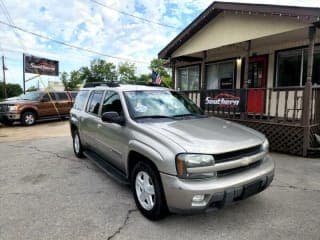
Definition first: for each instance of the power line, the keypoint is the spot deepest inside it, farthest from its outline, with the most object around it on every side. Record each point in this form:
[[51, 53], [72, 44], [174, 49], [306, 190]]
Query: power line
[[70, 45], [134, 16], [7, 15]]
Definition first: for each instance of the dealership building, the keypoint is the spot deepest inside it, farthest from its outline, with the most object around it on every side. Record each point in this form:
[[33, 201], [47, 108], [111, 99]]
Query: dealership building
[[255, 64]]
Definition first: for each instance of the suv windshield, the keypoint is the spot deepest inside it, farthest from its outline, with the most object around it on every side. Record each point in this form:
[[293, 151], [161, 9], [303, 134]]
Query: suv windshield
[[160, 104], [30, 96]]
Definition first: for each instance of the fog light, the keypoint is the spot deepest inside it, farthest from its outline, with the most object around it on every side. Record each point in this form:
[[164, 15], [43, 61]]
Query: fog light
[[198, 198]]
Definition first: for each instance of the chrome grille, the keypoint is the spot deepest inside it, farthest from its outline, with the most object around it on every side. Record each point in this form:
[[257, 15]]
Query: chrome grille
[[3, 108], [230, 156]]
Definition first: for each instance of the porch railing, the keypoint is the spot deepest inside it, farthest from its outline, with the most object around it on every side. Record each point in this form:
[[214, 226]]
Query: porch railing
[[279, 105]]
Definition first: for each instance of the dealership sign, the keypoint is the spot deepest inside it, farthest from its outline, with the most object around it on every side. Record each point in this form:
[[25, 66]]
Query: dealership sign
[[227, 99], [40, 66]]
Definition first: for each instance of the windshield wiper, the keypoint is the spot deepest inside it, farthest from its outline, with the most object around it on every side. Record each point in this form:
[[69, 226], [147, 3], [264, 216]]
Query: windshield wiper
[[189, 115], [153, 116]]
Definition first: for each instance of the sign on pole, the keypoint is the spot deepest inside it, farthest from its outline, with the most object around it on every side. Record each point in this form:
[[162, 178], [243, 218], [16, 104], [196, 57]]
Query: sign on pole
[[42, 66]]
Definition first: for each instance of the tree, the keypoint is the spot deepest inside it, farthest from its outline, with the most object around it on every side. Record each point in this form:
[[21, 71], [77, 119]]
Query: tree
[[99, 71], [144, 78], [13, 90], [71, 82], [32, 89], [126, 72], [158, 66]]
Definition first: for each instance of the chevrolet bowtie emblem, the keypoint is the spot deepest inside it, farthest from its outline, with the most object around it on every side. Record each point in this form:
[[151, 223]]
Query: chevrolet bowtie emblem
[[245, 161]]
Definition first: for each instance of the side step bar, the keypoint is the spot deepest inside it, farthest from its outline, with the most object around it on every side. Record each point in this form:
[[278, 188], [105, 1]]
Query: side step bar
[[113, 172]]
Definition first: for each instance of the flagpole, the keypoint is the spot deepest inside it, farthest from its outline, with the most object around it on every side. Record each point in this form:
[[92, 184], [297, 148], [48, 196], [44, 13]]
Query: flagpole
[[24, 76]]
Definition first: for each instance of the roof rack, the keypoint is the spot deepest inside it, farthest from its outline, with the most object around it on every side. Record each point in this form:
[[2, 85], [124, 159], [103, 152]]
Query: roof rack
[[104, 83]]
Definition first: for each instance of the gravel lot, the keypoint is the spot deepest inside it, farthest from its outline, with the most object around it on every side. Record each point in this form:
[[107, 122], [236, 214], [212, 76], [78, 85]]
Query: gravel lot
[[47, 193]]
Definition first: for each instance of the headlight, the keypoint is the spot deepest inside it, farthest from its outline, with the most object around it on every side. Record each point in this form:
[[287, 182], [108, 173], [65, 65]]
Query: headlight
[[265, 146], [188, 161], [12, 108]]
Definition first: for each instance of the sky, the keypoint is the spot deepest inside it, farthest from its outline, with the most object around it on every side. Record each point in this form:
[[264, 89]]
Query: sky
[[98, 25]]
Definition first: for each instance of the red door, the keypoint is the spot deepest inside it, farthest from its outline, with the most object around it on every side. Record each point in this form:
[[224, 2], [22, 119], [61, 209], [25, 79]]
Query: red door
[[257, 78]]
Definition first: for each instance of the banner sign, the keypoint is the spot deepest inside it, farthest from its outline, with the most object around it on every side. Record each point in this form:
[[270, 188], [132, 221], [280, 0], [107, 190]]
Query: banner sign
[[227, 99], [41, 66]]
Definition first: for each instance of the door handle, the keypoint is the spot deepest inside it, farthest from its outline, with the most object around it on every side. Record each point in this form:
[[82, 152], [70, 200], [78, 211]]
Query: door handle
[[99, 125]]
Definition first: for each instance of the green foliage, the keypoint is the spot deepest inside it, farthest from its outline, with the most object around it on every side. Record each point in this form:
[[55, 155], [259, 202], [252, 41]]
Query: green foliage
[[99, 71], [32, 89], [126, 72], [71, 82], [157, 65], [144, 78], [13, 90]]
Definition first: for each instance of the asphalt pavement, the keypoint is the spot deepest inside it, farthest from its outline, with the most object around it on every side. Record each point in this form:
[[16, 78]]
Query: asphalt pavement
[[47, 193]]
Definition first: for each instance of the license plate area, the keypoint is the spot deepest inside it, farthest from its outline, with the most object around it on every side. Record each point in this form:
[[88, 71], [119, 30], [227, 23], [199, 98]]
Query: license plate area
[[251, 189]]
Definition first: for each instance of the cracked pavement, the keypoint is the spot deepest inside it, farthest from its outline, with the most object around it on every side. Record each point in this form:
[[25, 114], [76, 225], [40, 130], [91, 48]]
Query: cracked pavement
[[47, 193]]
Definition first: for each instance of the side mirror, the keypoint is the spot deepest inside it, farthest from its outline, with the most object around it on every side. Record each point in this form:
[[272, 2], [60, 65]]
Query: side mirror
[[113, 117]]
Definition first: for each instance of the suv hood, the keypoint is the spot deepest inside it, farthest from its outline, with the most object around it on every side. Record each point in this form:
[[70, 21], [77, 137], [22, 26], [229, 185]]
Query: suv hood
[[16, 101], [207, 135]]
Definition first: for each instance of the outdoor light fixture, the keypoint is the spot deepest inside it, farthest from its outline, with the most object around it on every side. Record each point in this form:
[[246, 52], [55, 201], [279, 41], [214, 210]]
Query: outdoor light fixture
[[238, 60]]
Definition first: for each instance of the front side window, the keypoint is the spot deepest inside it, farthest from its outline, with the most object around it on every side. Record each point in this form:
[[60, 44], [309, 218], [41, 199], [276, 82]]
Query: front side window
[[94, 102], [81, 99], [292, 67], [160, 104], [112, 103], [49, 96], [188, 78]]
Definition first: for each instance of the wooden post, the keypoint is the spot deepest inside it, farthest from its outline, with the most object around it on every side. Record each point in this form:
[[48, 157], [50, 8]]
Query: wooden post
[[173, 69], [203, 78], [246, 65], [307, 94]]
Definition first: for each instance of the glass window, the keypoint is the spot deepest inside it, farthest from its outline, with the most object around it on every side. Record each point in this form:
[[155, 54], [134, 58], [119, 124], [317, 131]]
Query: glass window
[[62, 95], [47, 98], [81, 99], [112, 103], [188, 78], [220, 75], [154, 104], [292, 67], [94, 102]]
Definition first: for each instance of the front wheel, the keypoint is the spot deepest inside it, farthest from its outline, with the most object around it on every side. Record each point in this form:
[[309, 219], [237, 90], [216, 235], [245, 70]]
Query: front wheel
[[147, 191], [28, 118], [77, 146]]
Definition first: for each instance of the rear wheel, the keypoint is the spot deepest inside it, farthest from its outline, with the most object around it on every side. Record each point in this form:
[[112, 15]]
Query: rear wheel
[[28, 118], [77, 146], [147, 191]]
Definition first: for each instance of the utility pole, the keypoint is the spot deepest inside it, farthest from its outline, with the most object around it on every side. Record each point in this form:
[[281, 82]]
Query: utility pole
[[4, 78]]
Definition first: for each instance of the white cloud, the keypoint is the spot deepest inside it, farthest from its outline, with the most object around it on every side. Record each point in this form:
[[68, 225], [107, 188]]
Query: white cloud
[[89, 25]]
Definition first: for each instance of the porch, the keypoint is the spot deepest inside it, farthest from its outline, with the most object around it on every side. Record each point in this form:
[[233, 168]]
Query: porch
[[279, 113]]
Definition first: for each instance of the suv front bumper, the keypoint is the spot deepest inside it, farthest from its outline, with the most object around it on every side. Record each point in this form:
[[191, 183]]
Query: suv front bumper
[[9, 116], [182, 193]]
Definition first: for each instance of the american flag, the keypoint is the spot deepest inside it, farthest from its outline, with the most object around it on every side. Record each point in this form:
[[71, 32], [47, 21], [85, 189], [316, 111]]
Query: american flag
[[155, 78]]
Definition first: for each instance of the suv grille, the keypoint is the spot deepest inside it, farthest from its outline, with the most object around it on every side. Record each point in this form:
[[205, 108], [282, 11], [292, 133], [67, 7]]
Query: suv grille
[[227, 172], [3, 107], [230, 156]]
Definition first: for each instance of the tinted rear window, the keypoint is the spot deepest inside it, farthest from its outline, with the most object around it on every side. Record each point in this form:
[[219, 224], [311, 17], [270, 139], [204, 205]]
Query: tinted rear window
[[94, 102], [81, 99]]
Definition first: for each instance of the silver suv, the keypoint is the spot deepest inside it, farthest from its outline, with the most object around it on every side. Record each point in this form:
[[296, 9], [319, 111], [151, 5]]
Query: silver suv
[[174, 157]]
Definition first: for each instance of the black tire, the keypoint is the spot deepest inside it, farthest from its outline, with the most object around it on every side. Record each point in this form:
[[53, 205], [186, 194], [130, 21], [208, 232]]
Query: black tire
[[159, 209], [77, 146], [28, 118]]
